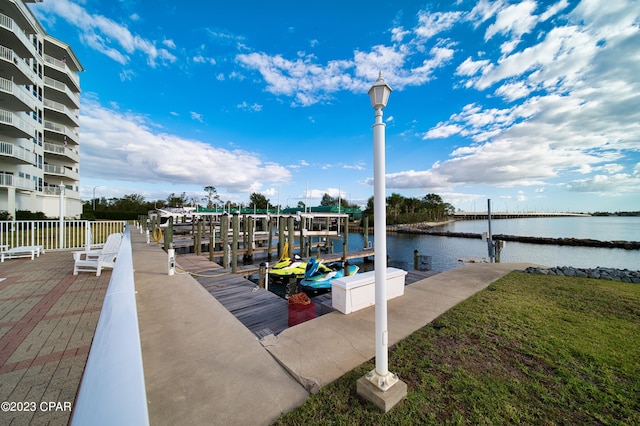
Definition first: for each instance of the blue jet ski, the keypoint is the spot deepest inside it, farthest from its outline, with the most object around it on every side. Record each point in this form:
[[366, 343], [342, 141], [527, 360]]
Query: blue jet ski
[[318, 276]]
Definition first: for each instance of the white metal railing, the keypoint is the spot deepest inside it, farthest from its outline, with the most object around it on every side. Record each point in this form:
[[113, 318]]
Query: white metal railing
[[51, 82], [27, 14], [8, 55], [62, 108], [59, 128], [62, 66], [11, 119], [17, 182], [55, 190], [7, 22], [15, 151], [112, 390], [62, 150], [76, 234], [18, 91], [53, 169]]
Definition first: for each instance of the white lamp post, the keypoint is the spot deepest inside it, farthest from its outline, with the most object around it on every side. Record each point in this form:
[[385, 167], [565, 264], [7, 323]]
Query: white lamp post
[[62, 202], [382, 380]]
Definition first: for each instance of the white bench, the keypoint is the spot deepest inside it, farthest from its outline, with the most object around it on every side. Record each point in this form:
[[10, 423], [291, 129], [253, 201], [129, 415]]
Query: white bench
[[350, 294], [22, 251]]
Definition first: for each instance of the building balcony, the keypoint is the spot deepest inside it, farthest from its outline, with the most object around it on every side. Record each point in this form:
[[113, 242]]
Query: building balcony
[[60, 92], [60, 113], [8, 180], [12, 35], [55, 132], [55, 190], [61, 152], [15, 154], [18, 98], [13, 66], [22, 15], [61, 171], [13, 126], [58, 70]]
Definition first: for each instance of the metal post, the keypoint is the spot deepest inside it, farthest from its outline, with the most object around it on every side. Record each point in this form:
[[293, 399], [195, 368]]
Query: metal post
[[381, 377], [490, 246], [61, 230]]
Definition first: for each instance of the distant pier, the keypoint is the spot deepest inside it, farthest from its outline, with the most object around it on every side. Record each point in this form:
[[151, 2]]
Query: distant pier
[[511, 215]]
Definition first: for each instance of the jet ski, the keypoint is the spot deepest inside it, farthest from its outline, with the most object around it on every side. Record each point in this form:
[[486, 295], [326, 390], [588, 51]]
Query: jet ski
[[287, 267], [318, 276]]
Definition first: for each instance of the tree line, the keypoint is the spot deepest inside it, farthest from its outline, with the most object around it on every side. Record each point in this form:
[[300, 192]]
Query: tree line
[[400, 209]]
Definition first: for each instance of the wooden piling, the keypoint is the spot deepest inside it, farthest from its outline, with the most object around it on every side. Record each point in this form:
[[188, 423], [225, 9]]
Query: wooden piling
[[345, 241], [250, 229], [212, 238], [262, 276], [291, 237], [281, 240], [168, 235], [224, 238], [269, 238], [235, 225]]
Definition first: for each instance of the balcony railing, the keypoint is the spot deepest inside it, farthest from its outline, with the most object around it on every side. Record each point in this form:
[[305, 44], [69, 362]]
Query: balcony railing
[[17, 152], [62, 66], [55, 190], [16, 182], [61, 171], [8, 86], [61, 150], [9, 118], [63, 109], [8, 55], [58, 85], [63, 130], [10, 25]]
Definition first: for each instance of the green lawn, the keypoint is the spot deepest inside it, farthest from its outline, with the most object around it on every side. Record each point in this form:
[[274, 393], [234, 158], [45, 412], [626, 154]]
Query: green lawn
[[530, 349]]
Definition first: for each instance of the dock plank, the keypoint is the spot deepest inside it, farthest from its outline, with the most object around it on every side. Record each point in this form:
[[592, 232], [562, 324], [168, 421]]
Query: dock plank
[[260, 310]]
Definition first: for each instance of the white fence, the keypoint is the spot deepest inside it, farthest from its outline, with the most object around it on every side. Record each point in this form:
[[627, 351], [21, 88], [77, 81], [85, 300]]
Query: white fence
[[112, 391], [57, 235]]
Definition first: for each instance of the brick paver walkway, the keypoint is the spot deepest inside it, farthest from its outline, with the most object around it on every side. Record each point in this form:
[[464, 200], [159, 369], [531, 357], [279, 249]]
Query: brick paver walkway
[[47, 320]]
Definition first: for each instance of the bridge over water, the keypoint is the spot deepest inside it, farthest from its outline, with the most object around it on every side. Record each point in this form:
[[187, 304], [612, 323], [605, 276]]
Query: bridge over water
[[511, 215]]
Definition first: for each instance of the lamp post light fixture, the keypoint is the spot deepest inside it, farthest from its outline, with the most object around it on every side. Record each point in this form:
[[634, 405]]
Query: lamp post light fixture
[[94, 198], [379, 385]]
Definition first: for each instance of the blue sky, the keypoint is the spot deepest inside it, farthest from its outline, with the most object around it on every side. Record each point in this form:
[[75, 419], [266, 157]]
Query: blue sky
[[535, 105]]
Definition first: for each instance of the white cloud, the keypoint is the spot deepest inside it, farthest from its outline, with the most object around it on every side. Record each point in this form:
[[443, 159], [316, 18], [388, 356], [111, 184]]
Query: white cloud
[[246, 107], [607, 185], [583, 119], [105, 35], [431, 24], [196, 116], [200, 59], [122, 146], [514, 20]]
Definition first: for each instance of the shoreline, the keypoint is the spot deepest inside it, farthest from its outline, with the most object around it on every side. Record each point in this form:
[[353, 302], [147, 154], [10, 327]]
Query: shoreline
[[428, 228]]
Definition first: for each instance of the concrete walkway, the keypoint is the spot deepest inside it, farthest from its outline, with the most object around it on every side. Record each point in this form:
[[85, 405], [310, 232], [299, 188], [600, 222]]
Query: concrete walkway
[[202, 366], [318, 352]]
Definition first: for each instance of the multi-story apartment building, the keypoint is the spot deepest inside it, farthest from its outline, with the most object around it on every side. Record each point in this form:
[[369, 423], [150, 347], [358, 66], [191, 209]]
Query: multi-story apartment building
[[39, 117]]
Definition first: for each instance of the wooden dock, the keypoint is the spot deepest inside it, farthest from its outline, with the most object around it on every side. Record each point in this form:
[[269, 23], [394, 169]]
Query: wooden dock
[[261, 311]]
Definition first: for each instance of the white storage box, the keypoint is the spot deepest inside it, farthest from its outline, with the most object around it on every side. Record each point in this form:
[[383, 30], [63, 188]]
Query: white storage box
[[350, 294]]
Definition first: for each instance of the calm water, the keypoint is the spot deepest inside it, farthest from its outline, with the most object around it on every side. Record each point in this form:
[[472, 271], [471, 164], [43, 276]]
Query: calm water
[[445, 251]]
